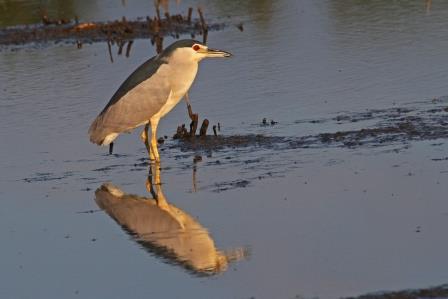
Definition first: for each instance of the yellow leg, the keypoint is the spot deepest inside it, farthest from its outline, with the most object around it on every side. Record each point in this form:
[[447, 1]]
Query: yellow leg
[[154, 151], [153, 179], [144, 136], [154, 186]]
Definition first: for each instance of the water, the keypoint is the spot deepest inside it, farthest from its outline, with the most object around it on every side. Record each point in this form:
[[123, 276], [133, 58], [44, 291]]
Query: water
[[323, 221]]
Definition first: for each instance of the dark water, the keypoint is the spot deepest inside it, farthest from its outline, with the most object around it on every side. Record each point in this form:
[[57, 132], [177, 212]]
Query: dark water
[[324, 220]]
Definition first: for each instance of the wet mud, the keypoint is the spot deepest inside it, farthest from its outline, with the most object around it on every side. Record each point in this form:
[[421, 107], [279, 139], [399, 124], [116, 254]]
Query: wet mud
[[433, 292], [120, 32], [397, 125]]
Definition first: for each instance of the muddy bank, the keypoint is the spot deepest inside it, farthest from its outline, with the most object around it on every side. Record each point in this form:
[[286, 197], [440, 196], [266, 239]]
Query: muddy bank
[[122, 32], [433, 292], [397, 125]]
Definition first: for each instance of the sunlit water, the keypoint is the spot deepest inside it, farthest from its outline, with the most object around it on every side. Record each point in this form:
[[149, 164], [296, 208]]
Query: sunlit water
[[315, 222]]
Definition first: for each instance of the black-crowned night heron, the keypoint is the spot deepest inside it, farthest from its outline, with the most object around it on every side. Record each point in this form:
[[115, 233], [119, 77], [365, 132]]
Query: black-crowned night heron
[[150, 92]]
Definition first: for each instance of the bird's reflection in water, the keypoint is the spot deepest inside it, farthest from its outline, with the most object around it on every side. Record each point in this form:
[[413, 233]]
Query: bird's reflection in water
[[165, 230]]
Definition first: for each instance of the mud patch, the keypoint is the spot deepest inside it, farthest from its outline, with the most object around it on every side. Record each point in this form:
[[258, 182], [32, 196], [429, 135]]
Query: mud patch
[[120, 32], [230, 185], [46, 177], [424, 121], [433, 292]]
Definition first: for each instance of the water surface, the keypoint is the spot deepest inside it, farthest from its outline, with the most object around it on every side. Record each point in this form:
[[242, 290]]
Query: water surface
[[323, 221]]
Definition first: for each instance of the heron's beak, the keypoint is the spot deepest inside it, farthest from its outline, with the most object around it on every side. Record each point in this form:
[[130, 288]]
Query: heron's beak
[[216, 53]]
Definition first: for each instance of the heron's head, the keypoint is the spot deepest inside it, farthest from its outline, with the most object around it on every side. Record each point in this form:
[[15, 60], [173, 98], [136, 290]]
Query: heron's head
[[192, 50]]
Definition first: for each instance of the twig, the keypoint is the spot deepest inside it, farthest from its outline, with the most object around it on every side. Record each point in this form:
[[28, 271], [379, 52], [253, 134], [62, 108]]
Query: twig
[[202, 18], [168, 18], [159, 44], [190, 11], [204, 37], [110, 51], [203, 130], [158, 13], [120, 44], [190, 111], [128, 48], [194, 125], [203, 25]]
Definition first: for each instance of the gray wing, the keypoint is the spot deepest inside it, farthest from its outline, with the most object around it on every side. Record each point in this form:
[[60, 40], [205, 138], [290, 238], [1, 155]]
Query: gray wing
[[140, 97], [143, 72]]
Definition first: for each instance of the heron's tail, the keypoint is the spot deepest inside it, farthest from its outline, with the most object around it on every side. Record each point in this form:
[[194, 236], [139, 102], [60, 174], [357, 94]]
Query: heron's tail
[[99, 134]]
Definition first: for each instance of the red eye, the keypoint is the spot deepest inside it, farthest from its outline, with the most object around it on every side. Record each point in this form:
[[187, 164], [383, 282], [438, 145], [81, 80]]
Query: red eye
[[196, 47]]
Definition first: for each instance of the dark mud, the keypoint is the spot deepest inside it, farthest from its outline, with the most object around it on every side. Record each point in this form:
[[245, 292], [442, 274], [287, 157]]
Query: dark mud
[[422, 121], [122, 32], [433, 292]]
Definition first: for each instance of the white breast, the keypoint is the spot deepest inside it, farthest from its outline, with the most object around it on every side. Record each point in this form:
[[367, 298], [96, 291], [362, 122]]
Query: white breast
[[181, 73]]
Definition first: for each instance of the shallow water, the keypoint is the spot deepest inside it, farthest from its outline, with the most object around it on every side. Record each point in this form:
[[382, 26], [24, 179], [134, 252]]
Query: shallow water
[[324, 220]]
